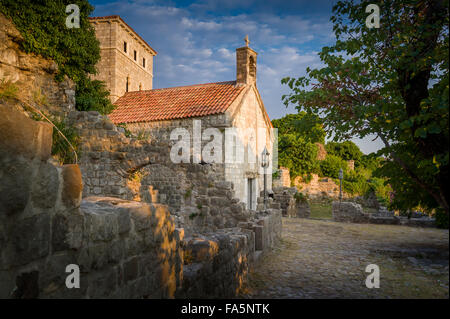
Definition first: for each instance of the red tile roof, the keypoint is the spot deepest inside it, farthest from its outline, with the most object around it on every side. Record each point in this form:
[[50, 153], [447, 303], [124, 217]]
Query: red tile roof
[[175, 103]]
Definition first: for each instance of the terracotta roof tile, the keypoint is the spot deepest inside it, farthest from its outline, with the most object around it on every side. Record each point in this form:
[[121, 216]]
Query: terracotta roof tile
[[175, 103]]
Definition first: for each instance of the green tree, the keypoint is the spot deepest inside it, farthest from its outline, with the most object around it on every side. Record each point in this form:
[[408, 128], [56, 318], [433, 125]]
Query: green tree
[[331, 165], [307, 126], [390, 81], [346, 150], [76, 51], [297, 154]]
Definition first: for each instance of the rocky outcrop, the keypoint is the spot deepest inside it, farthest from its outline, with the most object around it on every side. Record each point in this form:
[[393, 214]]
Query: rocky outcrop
[[31, 74]]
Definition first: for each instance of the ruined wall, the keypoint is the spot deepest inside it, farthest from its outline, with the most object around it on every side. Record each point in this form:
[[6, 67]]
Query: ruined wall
[[283, 178], [216, 264], [319, 187], [124, 249], [108, 156], [31, 74], [354, 213], [349, 212], [290, 206]]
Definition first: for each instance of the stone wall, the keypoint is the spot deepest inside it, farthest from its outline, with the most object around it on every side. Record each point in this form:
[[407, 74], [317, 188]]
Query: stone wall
[[108, 157], [283, 179], [227, 253], [353, 213], [349, 212], [124, 249], [117, 66], [199, 200], [32, 74], [319, 188], [290, 206]]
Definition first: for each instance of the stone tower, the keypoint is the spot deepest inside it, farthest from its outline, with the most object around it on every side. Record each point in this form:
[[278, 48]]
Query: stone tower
[[126, 62], [245, 64]]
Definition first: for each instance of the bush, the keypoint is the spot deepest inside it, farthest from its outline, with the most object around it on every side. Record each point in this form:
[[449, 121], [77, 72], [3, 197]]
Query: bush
[[301, 198], [331, 165], [441, 219], [93, 96], [381, 189], [346, 150], [298, 155]]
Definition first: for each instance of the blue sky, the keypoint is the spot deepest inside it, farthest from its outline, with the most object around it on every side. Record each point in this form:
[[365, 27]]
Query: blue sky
[[196, 41]]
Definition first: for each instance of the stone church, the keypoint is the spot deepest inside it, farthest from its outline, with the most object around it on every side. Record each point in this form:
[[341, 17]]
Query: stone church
[[126, 66]]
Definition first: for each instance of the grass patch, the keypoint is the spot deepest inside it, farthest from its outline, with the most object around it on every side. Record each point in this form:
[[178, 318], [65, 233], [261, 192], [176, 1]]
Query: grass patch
[[8, 90], [320, 210]]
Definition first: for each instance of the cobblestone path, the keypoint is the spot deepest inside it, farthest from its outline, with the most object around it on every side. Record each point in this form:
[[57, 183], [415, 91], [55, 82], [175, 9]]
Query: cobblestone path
[[325, 259]]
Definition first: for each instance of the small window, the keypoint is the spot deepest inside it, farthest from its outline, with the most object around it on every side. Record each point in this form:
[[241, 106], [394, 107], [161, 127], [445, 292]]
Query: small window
[[135, 55], [143, 62], [127, 85], [125, 47]]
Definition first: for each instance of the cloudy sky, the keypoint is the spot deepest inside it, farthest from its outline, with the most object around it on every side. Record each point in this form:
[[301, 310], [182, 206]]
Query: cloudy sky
[[196, 40]]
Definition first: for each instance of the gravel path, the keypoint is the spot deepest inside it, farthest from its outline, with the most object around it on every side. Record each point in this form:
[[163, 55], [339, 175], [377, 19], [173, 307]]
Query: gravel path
[[325, 259]]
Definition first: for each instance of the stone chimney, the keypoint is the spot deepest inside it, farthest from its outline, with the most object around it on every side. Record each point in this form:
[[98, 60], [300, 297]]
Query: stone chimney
[[245, 64]]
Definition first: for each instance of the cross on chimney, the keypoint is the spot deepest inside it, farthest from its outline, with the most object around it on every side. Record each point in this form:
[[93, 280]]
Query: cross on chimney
[[247, 41]]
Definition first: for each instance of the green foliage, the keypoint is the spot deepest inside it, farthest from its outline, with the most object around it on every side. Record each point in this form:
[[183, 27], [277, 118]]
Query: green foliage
[[188, 193], [301, 198], [381, 189], [331, 165], [127, 131], [298, 155], [346, 150], [42, 25], [276, 174], [391, 82], [61, 150], [307, 126], [8, 90], [93, 96], [193, 215], [441, 219]]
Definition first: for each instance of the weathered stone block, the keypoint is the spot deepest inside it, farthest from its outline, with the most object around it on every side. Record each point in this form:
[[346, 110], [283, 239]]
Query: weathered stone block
[[67, 231], [15, 186], [72, 185], [31, 238], [131, 269], [31, 139], [45, 187]]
